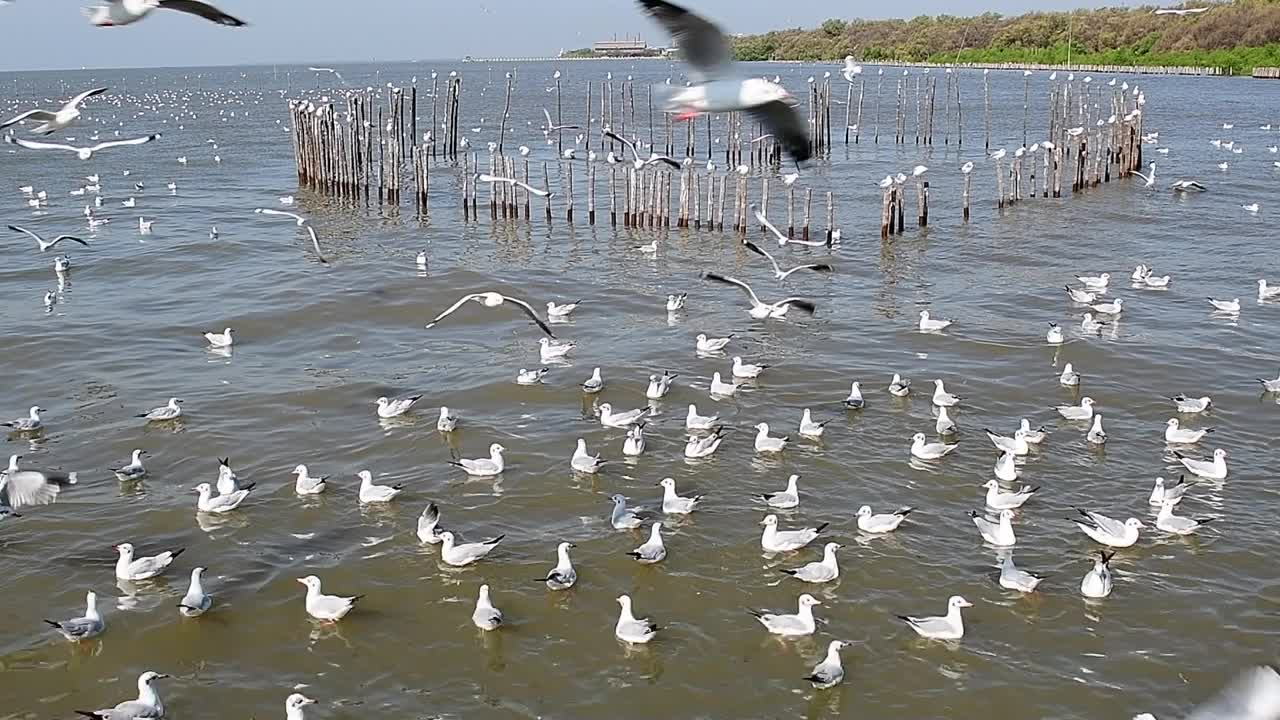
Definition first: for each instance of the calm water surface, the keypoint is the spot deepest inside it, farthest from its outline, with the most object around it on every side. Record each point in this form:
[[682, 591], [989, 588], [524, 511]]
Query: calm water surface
[[316, 345]]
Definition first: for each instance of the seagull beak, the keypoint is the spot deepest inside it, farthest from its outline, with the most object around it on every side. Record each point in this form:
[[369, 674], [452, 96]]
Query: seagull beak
[[161, 676], [300, 580]]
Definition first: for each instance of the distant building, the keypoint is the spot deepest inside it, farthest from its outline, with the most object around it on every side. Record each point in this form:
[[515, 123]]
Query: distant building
[[621, 47]]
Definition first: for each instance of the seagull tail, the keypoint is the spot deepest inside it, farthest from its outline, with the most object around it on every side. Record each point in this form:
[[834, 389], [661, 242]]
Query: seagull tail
[[496, 540], [53, 624], [786, 572], [176, 553], [756, 613], [455, 462], [356, 598], [249, 487], [821, 527]]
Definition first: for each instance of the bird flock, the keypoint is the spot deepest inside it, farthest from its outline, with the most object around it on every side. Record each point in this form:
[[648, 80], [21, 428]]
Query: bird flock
[[808, 552]]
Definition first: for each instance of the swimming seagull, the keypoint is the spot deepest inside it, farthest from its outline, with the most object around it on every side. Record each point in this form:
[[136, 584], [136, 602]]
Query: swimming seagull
[[784, 499], [1054, 335], [328, 608], [823, 571], [371, 493], [777, 271], [45, 245], [1175, 435], [659, 386], [493, 299], [944, 425], [394, 408], [220, 504], [530, 377], [84, 627], [172, 411], [928, 324], [652, 550], [631, 629], [482, 177], [582, 462], [1081, 412], [694, 421], [466, 553], [1082, 297], [700, 447], [484, 467], [929, 451], [712, 345], [132, 471], [765, 443], [1096, 434], [674, 504], [676, 302], [799, 624], [305, 484], [1270, 385], [51, 122], [196, 602], [1192, 405], [1267, 293], [31, 423], [1177, 525], [1215, 469], [219, 340], [998, 533], [715, 87], [125, 12], [486, 616], [1097, 582], [447, 421], [999, 499], [869, 522], [1231, 307], [143, 568], [84, 153], [945, 627], [811, 429], [760, 310], [829, 672], [942, 398], [746, 370], [148, 706], [854, 401], [1016, 445], [1107, 531], [1014, 578], [776, 541]]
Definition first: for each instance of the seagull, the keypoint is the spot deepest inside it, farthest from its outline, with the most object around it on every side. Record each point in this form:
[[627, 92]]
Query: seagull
[[552, 127], [851, 69], [148, 705], [1175, 524], [512, 181], [31, 423], [777, 271], [652, 550], [1265, 292], [1253, 695], [1226, 306], [818, 572], [530, 377], [219, 504], [715, 87], [562, 576], [966, 168], [1111, 308], [1014, 578], [126, 12], [143, 568], [1108, 531], [929, 451], [1016, 445], [134, 470], [800, 624], [928, 324], [1192, 405], [196, 602], [560, 312], [676, 302], [486, 616], [622, 517], [944, 425], [1082, 297], [1097, 582], [783, 240], [302, 223], [1096, 434], [394, 408], [784, 499], [694, 421], [1174, 435], [1006, 469], [998, 499], [608, 418], [1149, 178], [1054, 335], [999, 533], [219, 340], [635, 153], [584, 463], [172, 411], [811, 429], [1163, 491], [766, 444], [746, 371], [484, 467], [829, 672], [854, 401], [760, 310], [674, 504], [712, 345], [327, 608], [631, 629], [1095, 283], [1215, 469], [659, 386], [304, 484], [551, 350], [493, 299], [1089, 325], [84, 153], [85, 627], [1081, 412], [946, 627], [466, 553], [44, 244], [1187, 186], [882, 523], [942, 398], [371, 493], [1270, 385], [899, 387], [1069, 376], [778, 541], [447, 421], [51, 122]]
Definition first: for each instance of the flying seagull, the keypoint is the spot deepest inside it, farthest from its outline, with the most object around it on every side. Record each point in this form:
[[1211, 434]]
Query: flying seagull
[[552, 127], [716, 86], [777, 271], [54, 121], [760, 310], [653, 158], [46, 244], [126, 12], [493, 299], [84, 153], [512, 181], [302, 222]]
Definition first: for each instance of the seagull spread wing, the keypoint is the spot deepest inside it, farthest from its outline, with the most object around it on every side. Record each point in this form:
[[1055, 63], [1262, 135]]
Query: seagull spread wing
[[787, 127], [765, 222], [28, 487], [84, 95], [268, 211], [131, 141], [615, 136], [37, 145], [530, 312], [1253, 695], [204, 10], [453, 308], [703, 45], [736, 282], [759, 251]]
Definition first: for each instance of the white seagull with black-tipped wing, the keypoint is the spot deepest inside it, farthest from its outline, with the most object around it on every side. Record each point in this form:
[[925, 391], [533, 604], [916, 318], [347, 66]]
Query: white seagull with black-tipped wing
[[760, 310]]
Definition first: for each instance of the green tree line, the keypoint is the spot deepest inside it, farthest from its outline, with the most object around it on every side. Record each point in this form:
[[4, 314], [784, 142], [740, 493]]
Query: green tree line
[[1238, 35]]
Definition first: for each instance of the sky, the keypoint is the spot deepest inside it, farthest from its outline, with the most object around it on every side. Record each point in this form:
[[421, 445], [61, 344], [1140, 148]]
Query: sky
[[52, 34]]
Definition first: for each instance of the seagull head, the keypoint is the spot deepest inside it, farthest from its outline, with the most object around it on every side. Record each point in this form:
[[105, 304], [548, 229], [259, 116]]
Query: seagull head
[[958, 602], [297, 701]]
